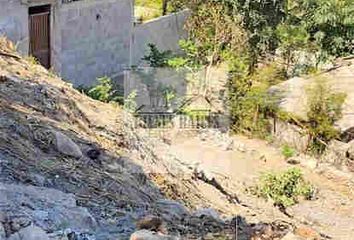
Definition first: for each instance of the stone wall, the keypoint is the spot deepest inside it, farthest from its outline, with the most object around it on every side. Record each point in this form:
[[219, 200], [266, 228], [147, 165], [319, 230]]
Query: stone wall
[[14, 23], [165, 32], [92, 39]]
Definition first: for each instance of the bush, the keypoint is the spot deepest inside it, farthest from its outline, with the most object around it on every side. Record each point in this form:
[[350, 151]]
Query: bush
[[103, 91], [324, 109], [284, 188], [288, 151], [157, 58], [250, 103]]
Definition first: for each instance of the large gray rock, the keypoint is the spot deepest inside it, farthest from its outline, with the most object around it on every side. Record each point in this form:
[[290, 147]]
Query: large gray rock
[[149, 235], [29, 233], [171, 210], [67, 146], [294, 93], [336, 153], [207, 212], [46, 208]]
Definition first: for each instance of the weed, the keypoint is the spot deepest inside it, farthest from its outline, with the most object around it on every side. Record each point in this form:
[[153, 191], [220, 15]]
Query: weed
[[288, 151], [284, 188]]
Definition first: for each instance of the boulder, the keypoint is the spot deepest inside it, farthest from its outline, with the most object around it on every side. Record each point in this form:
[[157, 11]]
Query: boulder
[[66, 146], [208, 213], [49, 209], [171, 210], [294, 93], [149, 235], [29, 233], [336, 153]]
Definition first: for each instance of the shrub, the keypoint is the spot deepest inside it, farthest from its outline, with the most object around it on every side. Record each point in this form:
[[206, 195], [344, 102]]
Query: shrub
[[324, 109], [288, 151], [284, 188], [104, 91], [250, 103], [157, 58]]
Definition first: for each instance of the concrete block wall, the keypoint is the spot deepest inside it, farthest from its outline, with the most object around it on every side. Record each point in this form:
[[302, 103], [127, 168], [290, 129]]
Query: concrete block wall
[[14, 23], [165, 32], [92, 39]]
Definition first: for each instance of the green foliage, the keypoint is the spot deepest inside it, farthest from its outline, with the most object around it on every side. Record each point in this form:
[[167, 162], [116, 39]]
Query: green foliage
[[284, 188], [250, 102], [130, 104], [329, 22], [291, 40], [190, 58], [288, 151], [157, 58], [324, 109], [103, 91]]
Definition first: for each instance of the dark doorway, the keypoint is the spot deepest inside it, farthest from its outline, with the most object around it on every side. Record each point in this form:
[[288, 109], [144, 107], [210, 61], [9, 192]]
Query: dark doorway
[[39, 32]]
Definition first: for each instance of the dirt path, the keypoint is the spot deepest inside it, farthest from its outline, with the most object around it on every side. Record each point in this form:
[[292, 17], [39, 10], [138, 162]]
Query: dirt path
[[332, 213]]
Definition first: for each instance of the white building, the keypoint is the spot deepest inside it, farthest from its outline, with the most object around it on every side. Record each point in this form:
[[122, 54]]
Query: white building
[[79, 39]]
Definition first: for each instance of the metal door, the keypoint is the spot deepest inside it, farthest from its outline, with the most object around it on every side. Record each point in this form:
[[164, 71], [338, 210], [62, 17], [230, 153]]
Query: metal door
[[39, 30]]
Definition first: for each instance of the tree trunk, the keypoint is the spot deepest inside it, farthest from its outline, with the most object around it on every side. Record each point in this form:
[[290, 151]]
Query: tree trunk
[[164, 7]]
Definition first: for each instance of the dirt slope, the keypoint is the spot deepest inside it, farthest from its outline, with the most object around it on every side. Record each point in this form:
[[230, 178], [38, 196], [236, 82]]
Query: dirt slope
[[55, 140], [57, 144]]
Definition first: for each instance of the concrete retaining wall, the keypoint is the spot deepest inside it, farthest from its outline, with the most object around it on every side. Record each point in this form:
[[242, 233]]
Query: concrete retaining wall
[[165, 32], [14, 23], [92, 39]]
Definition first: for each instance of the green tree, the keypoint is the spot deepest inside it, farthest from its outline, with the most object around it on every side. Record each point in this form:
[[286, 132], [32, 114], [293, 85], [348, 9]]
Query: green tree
[[291, 39], [330, 24]]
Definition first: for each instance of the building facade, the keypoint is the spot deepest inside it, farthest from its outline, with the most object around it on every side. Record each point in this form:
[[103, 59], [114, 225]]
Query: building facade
[[79, 39]]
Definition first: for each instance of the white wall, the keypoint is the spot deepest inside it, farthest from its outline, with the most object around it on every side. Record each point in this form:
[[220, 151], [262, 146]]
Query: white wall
[[92, 39], [14, 23], [165, 32]]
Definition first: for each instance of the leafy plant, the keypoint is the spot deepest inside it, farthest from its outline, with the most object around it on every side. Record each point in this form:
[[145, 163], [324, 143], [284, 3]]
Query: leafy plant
[[324, 109], [130, 104], [330, 24], [292, 38], [190, 58], [284, 188], [250, 103], [288, 151], [157, 58], [104, 91]]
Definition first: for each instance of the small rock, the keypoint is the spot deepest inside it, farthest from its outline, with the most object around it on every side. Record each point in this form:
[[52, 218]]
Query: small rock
[[29, 233], [291, 236], [350, 151], [67, 146], [149, 235], [151, 223], [18, 223], [207, 212], [293, 161], [307, 233], [2, 232]]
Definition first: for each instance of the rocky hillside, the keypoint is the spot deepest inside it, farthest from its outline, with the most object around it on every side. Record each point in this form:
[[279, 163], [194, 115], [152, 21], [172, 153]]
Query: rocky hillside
[[75, 168]]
